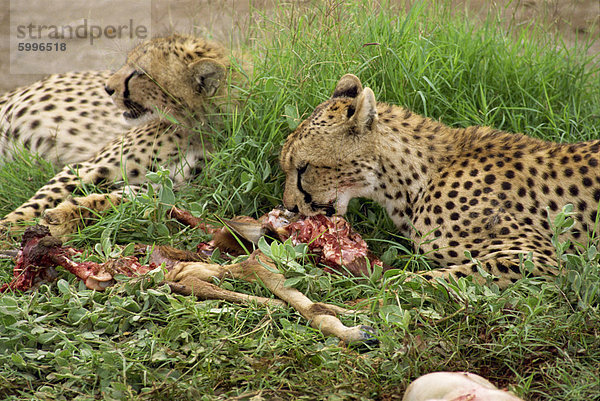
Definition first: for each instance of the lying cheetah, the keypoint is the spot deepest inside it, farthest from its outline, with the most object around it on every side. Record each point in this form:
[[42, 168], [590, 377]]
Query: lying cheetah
[[174, 88], [451, 190]]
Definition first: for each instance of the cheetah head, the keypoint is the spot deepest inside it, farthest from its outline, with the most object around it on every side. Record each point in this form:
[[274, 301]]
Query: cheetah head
[[330, 158], [175, 75]]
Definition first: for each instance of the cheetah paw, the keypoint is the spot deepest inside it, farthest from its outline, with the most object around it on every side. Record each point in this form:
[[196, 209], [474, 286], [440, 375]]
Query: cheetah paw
[[62, 220], [70, 215]]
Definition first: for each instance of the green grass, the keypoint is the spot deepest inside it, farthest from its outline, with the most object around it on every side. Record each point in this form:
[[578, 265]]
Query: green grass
[[21, 178], [539, 338]]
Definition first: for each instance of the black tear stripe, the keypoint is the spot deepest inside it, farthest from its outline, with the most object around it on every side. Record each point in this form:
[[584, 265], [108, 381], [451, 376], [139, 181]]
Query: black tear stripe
[[126, 85], [328, 208], [135, 110], [307, 196]]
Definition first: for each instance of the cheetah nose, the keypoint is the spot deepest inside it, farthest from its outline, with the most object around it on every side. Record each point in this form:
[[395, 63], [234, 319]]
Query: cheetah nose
[[109, 90], [294, 209]]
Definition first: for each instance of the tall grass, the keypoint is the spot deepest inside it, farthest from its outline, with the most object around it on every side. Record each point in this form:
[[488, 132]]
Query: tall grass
[[137, 341], [457, 72]]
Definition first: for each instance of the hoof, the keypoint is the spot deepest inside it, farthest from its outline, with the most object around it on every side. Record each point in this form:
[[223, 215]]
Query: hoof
[[366, 339]]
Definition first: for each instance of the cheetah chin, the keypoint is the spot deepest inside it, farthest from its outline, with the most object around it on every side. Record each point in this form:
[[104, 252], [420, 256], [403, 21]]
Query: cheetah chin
[[139, 117], [340, 204], [344, 194]]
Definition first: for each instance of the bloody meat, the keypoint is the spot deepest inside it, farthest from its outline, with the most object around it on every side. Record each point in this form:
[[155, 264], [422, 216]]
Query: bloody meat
[[40, 253], [330, 240]]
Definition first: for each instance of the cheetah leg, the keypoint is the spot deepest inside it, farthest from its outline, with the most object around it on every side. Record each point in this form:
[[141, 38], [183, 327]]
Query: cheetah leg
[[504, 265], [74, 213], [321, 316], [58, 189]]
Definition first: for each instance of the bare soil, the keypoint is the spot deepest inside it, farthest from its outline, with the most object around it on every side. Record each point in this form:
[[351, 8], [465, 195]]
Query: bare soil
[[229, 21]]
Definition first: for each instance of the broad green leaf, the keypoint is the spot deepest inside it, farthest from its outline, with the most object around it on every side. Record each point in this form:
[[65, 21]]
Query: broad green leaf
[[63, 286]]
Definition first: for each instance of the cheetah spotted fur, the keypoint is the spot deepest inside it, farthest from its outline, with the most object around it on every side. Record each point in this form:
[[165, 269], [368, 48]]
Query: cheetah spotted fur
[[66, 116], [450, 190]]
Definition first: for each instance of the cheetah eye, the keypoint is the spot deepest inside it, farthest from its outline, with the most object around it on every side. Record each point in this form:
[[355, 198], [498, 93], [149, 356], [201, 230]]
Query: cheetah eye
[[301, 170], [135, 73]]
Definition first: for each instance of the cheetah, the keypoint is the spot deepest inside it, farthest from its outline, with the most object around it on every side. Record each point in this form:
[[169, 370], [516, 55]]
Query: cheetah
[[175, 90], [450, 190]]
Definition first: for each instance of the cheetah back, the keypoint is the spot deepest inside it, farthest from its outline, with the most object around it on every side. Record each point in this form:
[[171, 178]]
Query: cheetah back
[[65, 118]]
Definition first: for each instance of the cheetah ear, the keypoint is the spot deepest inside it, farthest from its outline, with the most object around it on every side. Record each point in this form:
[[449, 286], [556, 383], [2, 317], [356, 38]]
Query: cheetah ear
[[348, 86], [365, 114], [208, 75]]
